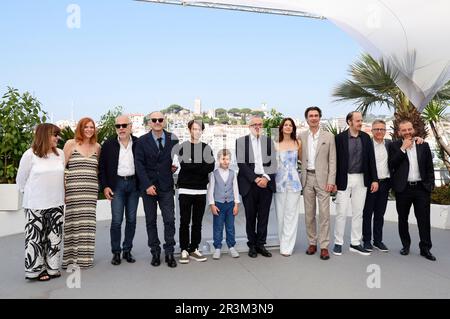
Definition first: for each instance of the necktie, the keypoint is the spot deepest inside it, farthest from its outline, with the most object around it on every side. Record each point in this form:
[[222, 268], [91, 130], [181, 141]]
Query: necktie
[[161, 147]]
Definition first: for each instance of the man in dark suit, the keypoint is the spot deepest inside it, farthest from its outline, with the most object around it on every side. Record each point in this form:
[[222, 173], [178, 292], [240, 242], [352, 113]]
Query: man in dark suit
[[356, 171], [119, 184], [376, 203], [412, 173], [257, 163], [155, 171]]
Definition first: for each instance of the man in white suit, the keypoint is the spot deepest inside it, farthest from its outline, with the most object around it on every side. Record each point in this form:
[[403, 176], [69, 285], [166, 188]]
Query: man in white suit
[[318, 179]]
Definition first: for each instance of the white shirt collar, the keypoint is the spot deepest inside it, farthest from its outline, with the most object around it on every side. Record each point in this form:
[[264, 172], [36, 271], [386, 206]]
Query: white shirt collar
[[316, 135], [130, 142]]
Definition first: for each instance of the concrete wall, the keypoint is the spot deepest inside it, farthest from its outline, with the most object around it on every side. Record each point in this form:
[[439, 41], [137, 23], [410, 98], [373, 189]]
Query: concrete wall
[[12, 222]]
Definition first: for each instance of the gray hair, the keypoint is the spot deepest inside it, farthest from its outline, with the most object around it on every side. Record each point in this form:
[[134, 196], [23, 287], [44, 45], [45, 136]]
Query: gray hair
[[378, 121]]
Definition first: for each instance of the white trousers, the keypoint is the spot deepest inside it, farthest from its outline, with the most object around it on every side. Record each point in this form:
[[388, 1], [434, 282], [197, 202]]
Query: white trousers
[[355, 194], [287, 210]]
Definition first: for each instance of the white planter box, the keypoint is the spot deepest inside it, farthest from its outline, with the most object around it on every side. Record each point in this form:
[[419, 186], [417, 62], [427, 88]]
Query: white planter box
[[10, 197], [104, 209], [439, 215]]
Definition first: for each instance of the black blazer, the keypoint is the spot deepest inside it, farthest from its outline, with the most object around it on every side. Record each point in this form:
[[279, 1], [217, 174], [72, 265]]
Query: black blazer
[[246, 163], [109, 161], [369, 166], [154, 167], [399, 166]]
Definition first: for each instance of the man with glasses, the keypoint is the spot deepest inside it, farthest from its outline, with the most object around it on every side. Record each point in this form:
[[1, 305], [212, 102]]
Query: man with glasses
[[119, 184], [376, 203], [257, 163], [155, 171]]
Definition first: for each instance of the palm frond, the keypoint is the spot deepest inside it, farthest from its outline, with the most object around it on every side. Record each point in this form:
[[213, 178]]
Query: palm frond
[[434, 111], [371, 83]]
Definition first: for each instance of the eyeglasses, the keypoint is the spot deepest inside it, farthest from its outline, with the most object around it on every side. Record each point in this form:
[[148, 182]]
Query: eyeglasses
[[256, 125], [125, 125], [160, 120], [379, 129]]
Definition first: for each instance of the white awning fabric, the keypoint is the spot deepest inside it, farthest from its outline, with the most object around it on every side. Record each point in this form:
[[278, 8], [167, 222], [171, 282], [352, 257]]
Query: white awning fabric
[[409, 35]]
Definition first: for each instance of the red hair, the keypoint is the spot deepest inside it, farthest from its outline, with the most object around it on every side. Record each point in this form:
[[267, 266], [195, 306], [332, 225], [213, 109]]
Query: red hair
[[79, 136]]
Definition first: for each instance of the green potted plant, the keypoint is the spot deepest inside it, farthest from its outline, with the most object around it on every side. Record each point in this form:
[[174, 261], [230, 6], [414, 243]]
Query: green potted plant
[[20, 113]]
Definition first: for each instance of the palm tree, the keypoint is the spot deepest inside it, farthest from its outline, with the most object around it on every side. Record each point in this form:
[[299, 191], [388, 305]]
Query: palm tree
[[373, 84], [333, 129]]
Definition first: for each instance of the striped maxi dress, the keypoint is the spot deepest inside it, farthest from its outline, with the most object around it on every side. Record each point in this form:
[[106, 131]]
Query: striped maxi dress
[[80, 217]]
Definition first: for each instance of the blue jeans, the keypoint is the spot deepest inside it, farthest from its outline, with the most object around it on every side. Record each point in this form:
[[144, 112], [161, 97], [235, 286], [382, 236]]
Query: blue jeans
[[225, 217], [126, 197]]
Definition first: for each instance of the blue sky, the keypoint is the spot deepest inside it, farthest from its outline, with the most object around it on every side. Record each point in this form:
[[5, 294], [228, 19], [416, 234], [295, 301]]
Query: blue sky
[[147, 56]]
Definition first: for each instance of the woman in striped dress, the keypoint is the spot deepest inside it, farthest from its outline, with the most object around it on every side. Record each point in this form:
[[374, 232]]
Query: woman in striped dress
[[81, 155]]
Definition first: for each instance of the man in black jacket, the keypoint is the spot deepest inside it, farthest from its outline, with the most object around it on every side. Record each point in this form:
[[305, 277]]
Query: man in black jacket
[[119, 184], [196, 162], [155, 171], [412, 173], [256, 157], [376, 203], [356, 171]]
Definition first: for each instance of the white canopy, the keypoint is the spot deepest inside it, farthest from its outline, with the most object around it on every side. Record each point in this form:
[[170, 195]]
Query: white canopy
[[410, 35]]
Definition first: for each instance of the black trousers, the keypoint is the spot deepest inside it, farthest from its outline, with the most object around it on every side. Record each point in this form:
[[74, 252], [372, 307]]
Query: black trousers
[[375, 206], [191, 206], [257, 207], [420, 198]]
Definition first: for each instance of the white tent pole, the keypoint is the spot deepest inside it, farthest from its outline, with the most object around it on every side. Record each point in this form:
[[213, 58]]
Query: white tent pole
[[238, 8]]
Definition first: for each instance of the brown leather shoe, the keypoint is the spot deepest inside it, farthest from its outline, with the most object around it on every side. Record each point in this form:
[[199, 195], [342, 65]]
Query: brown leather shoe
[[311, 250], [324, 255]]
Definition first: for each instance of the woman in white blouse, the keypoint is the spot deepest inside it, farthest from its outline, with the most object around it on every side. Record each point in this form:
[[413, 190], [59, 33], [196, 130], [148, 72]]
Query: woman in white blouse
[[41, 180]]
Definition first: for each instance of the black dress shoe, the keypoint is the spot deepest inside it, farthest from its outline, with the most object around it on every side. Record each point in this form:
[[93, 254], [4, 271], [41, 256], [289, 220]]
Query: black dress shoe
[[404, 251], [171, 261], [156, 261], [252, 252], [116, 259], [428, 255], [127, 255], [263, 251]]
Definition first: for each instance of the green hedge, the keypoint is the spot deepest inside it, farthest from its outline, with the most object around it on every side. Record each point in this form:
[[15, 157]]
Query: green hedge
[[441, 195]]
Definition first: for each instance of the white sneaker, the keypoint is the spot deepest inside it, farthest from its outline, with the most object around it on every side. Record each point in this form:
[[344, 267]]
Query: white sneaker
[[233, 252], [216, 254], [184, 259], [197, 256]]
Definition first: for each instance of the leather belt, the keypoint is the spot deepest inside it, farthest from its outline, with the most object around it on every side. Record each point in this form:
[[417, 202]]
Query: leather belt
[[126, 177]]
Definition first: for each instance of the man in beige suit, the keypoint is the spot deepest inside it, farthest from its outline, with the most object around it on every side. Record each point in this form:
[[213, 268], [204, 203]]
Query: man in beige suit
[[318, 179]]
